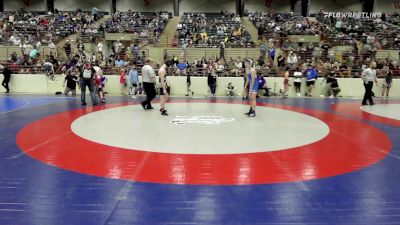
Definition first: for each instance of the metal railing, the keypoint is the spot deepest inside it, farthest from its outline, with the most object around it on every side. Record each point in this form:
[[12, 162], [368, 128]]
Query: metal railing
[[193, 71], [6, 51]]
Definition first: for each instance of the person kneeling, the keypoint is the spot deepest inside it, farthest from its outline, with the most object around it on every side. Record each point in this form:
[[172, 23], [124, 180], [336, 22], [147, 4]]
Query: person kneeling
[[231, 90]]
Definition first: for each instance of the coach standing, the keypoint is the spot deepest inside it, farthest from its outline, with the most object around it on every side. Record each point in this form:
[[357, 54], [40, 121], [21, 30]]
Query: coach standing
[[369, 77], [149, 80]]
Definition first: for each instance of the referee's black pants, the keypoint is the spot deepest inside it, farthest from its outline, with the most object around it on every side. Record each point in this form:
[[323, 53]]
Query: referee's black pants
[[368, 93], [150, 91]]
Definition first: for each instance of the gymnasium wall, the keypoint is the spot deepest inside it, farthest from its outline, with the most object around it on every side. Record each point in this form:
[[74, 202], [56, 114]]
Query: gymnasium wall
[[139, 5], [102, 5], [260, 5], [155, 5], [351, 87], [85, 5], [14, 5], [335, 5], [200, 5], [207, 6], [386, 6]]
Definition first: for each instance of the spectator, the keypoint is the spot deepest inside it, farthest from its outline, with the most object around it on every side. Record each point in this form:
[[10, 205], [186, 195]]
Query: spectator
[[387, 84], [100, 49], [52, 47], [123, 81], [212, 81], [292, 60], [81, 47], [238, 67], [120, 63], [67, 48], [134, 79], [311, 78], [297, 81], [181, 68], [263, 50], [70, 83], [49, 69], [335, 89], [262, 85], [94, 13], [231, 90]]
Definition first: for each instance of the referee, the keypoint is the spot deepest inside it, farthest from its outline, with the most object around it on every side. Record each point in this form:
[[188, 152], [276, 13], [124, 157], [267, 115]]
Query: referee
[[148, 79], [369, 77]]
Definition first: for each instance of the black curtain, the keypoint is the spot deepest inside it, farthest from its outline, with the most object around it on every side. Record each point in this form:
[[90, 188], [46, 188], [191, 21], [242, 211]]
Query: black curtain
[[50, 6], [292, 3], [240, 7], [113, 6], [304, 7], [368, 5]]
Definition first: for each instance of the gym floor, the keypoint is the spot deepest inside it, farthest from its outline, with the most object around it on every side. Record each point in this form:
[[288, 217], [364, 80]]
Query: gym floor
[[304, 161]]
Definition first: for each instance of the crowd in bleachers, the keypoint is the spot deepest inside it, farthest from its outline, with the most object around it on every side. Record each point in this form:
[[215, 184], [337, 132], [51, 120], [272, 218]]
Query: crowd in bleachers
[[271, 24], [373, 33], [29, 27], [366, 34], [145, 24], [212, 30]]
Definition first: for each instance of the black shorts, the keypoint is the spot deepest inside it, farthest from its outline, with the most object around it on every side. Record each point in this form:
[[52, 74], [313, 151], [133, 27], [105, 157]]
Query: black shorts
[[162, 91], [297, 84], [309, 83]]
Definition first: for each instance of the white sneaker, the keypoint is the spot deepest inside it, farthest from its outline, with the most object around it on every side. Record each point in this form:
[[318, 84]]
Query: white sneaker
[[134, 97], [331, 96]]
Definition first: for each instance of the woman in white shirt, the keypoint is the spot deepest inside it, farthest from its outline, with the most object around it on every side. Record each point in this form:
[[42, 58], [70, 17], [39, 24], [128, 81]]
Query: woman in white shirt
[[238, 67], [100, 49], [297, 81], [292, 60]]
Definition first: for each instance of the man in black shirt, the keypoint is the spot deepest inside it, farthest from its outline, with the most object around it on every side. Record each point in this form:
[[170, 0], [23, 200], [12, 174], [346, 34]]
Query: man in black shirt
[[212, 81], [71, 79], [6, 80]]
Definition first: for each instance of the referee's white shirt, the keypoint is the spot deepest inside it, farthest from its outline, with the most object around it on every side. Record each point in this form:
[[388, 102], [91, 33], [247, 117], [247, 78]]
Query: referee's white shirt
[[148, 74], [369, 74]]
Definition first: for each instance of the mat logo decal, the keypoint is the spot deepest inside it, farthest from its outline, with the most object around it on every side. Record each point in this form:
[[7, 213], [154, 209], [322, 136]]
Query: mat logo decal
[[204, 120]]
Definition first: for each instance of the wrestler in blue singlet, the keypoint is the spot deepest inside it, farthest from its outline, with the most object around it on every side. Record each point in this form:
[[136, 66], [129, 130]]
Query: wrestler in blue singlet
[[256, 83]]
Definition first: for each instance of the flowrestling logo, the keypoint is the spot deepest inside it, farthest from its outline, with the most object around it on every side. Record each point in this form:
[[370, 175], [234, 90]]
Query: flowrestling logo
[[204, 120], [354, 15]]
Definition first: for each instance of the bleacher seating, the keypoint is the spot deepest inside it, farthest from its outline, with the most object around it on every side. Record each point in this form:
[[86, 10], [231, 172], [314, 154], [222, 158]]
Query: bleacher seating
[[20, 27], [212, 29], [143, 23]]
